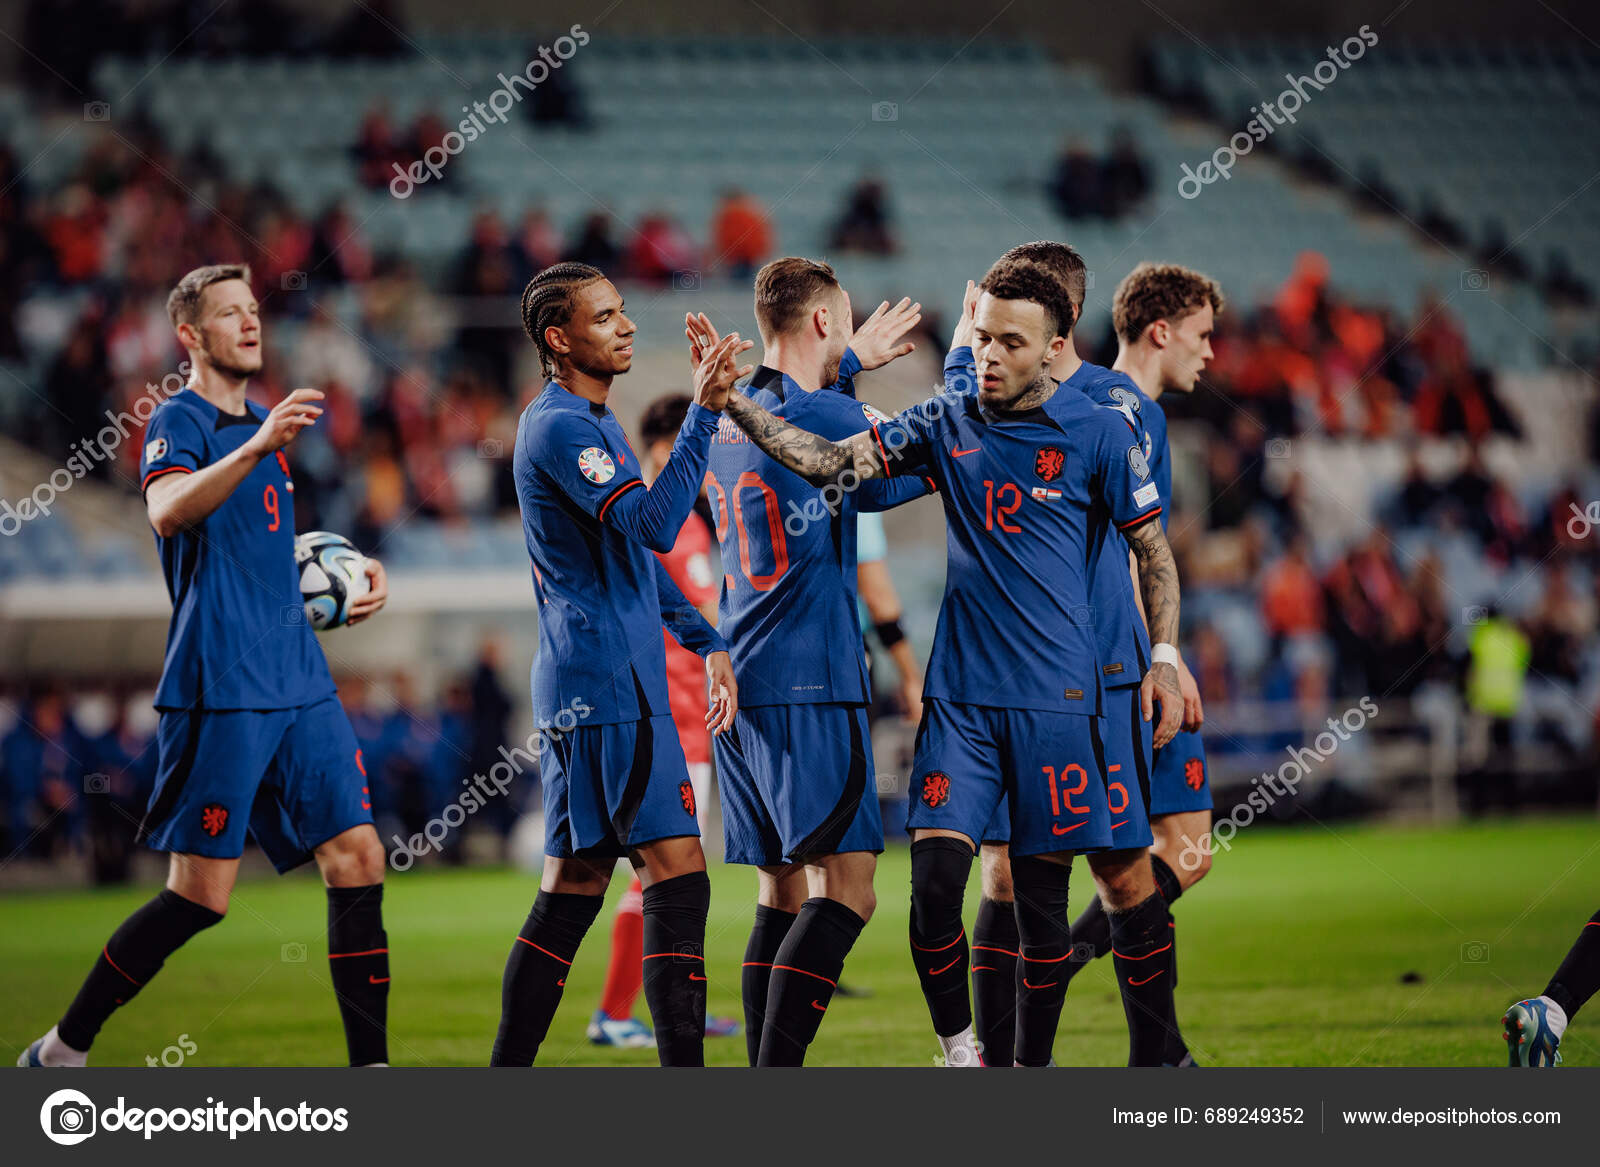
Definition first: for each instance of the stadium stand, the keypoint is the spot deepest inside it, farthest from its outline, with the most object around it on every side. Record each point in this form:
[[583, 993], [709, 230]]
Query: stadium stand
[[1385, 456]]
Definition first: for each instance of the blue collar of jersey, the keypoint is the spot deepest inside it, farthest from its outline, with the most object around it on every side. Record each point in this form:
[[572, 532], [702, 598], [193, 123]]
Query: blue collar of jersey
[[570, 400]]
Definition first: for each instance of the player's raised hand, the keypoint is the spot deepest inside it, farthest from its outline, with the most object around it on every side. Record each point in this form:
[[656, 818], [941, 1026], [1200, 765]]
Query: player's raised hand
[[715, 374], [702, 335], [1160, 687], [1194, 714], [878, 340], [284, 423], [962, 337], [724, 693], [377, 593]]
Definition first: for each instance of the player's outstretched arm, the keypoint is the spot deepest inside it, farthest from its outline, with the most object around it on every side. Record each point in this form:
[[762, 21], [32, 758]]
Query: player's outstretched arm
[[655, 514], [690, 628], [176, 501], [809, 455], [1158, 586]]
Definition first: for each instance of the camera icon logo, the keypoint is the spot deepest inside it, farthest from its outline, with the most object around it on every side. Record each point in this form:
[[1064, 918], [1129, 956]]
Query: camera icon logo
[[1278, 448], [1474, 952], [1474, 279], [97, 784], [293, 952], [885, 111], [1473, 614], [97, 111], [686, 281], [491, 449], [293, 281], [1088, 281], [67, 1117], [292, 615]]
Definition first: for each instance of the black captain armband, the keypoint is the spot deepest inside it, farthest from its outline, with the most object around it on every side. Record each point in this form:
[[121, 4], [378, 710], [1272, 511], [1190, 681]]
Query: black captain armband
[[890, 633]]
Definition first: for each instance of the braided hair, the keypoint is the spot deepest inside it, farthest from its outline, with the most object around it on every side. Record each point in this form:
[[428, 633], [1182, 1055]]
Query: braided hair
[[547, 302]]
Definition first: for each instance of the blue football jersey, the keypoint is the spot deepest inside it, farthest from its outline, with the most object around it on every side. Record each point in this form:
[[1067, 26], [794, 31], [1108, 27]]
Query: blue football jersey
[[788, 606], [602, 599], [1027, 499], [1120, 635], [239, 638], [1146, 414]]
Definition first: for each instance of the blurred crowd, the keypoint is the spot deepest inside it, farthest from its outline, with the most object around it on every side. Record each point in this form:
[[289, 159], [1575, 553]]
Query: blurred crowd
[[78, 764], [1279, 611]]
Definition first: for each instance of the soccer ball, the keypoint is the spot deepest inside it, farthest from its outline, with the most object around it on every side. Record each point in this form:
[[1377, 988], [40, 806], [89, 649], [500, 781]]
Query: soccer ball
[[333, 575]]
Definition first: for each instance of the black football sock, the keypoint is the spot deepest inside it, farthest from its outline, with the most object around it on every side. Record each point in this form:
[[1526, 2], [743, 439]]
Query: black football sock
[[134, 954], [1091, 938], [994, 981], [766, 936], [1091, 931], [1171, 888], [536, 972], [1166, 879], [804, 975], [939, 870], [1044, 948], [358, 957], [1141, 943], [1575, 981], [675, 966]]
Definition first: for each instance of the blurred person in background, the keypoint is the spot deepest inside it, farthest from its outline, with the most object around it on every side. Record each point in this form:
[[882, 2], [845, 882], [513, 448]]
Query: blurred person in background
[[741, 234], [864, 224], [42, 759], [1499, 654]]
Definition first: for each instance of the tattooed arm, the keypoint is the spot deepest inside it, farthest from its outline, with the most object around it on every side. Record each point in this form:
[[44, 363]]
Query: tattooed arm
[[814, 458], [1158, 587]]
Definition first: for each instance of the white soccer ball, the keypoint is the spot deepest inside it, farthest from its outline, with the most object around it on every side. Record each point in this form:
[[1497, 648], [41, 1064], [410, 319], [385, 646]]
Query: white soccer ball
[[333, 575]]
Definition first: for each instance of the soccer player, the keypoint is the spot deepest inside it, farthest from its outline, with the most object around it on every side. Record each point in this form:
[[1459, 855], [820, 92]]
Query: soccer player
[[799, 797], [1029, 477], [1124, 652], [688, 565], [252, 736], [614, 776], [1534, 1027], [1163, 315]]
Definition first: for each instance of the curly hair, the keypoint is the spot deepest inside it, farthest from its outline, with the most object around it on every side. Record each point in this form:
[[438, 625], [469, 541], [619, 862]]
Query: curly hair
[[1060, 260], [1160, 291], [1020, 279], [183, 302], [548, 302]]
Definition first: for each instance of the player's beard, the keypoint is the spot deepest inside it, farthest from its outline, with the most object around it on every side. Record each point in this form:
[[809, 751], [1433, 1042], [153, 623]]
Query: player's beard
[[239, 369]]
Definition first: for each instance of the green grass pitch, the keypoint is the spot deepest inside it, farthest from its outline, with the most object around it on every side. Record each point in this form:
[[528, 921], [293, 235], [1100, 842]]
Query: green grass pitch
[[1350, 945]]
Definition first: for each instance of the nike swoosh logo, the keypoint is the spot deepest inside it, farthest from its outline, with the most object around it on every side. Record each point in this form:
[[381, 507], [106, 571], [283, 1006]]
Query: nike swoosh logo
[[1029, 985], [933, 972], [562, 983], [964, 453], [372, 980], [1065, 830], [1147, 979], [819, 1008], [692, 977]]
